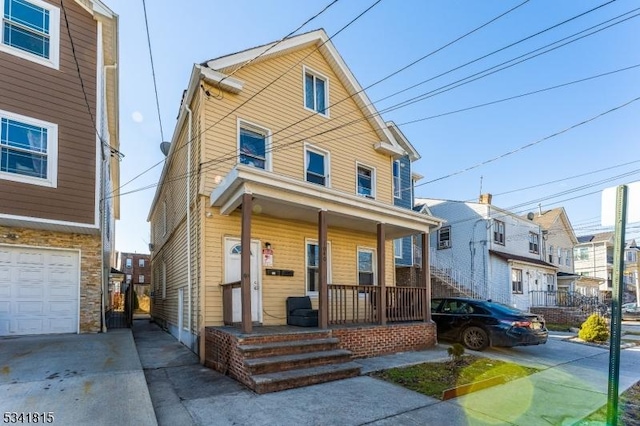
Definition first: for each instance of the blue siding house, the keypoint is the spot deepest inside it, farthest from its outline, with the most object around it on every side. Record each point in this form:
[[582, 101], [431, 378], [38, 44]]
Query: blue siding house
[[403, 188]]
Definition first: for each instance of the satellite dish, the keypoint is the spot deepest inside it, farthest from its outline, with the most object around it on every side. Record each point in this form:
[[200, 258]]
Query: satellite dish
[[530, 215], [164, 147]]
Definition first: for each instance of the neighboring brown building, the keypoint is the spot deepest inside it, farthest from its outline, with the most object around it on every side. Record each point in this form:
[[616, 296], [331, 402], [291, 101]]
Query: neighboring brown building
[[136, 268], [59, 158]]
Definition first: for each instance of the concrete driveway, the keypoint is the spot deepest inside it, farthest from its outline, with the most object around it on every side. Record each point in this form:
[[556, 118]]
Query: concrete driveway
[[82, 379]]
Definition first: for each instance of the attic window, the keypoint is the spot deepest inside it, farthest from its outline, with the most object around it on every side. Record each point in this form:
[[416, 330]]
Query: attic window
[[316, 93]]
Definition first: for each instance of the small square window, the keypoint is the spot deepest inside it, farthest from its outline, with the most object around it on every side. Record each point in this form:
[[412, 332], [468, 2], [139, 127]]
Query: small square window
[[316, 96]]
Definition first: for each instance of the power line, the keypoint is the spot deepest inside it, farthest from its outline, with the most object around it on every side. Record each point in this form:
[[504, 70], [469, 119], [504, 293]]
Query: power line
[[153, 69]]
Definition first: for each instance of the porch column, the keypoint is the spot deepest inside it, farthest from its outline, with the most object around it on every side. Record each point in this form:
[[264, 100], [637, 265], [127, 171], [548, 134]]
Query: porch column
[[426, 277], [323, 290], [382, 298], [245, 263]]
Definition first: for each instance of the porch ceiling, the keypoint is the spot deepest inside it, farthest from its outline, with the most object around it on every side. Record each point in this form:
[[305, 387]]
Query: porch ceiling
[[287, 198]]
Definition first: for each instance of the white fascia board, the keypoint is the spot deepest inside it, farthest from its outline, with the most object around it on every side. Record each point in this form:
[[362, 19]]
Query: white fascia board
[[221, 80], [416, 176], [388, 149], [96, 6], [248, 55], [246, 174], [403, 141], [194, 81]]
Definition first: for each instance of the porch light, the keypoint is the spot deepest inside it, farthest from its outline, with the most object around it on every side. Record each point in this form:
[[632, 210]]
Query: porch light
[[267, 245]]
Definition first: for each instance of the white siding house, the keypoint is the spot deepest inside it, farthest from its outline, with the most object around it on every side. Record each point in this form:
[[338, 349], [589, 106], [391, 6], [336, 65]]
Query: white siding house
[[498, 252]]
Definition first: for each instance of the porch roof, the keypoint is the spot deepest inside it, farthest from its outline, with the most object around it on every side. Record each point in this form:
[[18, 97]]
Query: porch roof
[[522, 259], [287, 198]]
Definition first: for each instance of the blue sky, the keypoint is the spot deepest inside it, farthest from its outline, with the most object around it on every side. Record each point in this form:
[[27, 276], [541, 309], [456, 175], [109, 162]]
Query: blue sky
[[390, 36]]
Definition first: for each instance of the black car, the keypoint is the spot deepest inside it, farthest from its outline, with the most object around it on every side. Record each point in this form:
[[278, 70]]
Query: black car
[[478, 324]]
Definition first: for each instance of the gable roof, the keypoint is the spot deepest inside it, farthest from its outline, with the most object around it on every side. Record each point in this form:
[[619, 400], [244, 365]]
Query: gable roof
[[548, 218], [320, 39], [403, 141]]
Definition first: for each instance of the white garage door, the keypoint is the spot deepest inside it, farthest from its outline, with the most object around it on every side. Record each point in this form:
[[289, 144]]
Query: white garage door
[[38, 291]]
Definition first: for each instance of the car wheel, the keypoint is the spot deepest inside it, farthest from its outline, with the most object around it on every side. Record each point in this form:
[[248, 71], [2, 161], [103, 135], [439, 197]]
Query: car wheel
[[475, 338]]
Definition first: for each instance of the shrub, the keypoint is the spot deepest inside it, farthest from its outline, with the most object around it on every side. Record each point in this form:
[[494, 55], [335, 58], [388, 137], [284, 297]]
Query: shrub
[[594, 329]]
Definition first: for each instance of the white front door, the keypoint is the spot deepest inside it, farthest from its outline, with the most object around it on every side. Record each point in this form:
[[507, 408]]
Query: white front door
[[233, 249]]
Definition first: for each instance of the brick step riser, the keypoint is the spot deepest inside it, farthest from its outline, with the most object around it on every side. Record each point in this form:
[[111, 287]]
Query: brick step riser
[[294, 365], [304, 381], [272, 338], [289, 350]]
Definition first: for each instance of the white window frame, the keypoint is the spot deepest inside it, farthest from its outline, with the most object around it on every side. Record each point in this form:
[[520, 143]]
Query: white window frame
[[128, 262], [141, 263], [308, 241], [374, 265], [397, 248], [128, 278], [534, 243], [141, 279], [54, 36], [52, 152], [497, 233], [397, 186], [519, 290], [306, 70], [444, 244], [373, 179], [327, 164], [257, 128], [164, 280], [551, 254]]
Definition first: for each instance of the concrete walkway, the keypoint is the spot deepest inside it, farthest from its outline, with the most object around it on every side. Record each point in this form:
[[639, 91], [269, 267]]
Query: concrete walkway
[[86, 379], [572, 384]]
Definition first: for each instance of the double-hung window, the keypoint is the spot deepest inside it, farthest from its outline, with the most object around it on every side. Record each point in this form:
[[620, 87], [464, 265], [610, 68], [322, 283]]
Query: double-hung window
[[28, 150], [141, 263], [365, 181], [313, 266], [516, 281], [397, 189], [316, 166], [551, 254], [366, 267], [253, 146], [141, 279], [30, 30], [498, 232], [444, 237], [128, 262], [397, 248], [316, 93], [533, 242]]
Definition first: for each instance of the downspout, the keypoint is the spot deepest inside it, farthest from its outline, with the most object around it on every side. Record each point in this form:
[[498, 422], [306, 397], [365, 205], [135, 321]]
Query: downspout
[[189, 131]]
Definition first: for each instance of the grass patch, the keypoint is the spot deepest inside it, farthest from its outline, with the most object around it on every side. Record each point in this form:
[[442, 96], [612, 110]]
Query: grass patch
[[433, 378], [628, 409], [558, 327]]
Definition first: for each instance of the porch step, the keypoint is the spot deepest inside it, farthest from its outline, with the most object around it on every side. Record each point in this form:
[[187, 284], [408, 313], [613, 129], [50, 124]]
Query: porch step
[[260, 350], [282, 363], [273, 382]]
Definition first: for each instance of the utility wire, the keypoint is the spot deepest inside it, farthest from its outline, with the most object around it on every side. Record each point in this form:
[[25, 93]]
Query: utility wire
[[153, 69]]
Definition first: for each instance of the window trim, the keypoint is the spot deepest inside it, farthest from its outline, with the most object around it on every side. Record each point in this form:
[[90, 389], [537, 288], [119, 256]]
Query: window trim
[[52, 152], [141, 278], [141, 262], [54, 37], [393, 180], [374, 265], [534, 247], [314, 241], [128, 262], [441, 245], [495, 233], [521, 282], [307, 70], [257, 128], [398, 243], [327, 164], [373, 180]]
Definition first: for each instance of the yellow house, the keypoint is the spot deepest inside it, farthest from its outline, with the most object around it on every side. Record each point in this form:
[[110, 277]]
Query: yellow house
[[278, 148]]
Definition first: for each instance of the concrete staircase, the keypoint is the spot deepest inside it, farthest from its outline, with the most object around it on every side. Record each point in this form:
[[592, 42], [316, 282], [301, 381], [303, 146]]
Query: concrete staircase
[[285, 361]]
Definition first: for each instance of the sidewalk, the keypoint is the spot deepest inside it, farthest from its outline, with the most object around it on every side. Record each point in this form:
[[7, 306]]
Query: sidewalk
[[573, 384]]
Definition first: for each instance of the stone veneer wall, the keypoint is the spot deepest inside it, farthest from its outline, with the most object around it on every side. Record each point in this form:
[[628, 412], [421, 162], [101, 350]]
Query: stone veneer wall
[[90, 265]]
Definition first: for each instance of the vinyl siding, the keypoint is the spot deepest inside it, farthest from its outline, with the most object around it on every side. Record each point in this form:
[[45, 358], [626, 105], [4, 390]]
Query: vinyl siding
[[287, 239], [56, 96], [281, 105]]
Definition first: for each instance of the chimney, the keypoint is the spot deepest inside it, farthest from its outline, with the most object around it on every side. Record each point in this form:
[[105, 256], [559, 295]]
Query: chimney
[[485, 198]]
